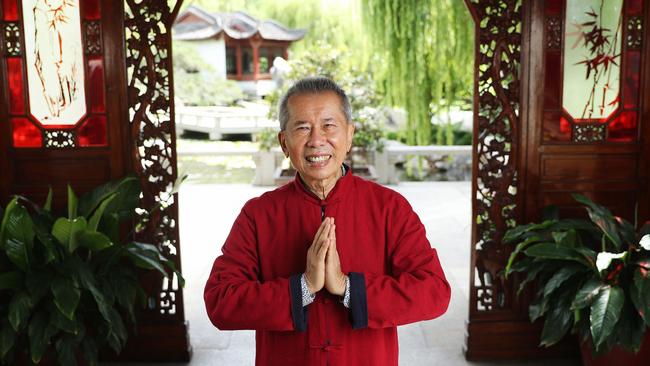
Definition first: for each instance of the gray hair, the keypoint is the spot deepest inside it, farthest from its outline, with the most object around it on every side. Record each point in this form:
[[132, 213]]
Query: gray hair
[[313, 85]]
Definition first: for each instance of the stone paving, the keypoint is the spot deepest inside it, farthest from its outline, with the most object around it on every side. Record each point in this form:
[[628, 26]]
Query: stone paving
[[208, 211]]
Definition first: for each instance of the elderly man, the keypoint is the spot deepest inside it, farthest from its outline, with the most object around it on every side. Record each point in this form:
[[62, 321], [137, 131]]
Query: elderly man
[[324, 268]]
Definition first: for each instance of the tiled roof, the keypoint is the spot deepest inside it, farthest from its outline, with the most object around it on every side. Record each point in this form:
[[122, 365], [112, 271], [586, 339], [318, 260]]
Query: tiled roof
[[237, 25]]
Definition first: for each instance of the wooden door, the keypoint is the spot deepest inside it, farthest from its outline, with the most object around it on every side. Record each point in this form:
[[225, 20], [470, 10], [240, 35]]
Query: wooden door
[[87, 97], [562, 105]]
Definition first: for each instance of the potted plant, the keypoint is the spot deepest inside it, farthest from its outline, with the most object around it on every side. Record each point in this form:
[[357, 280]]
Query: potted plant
[[69, 282], [593, 279]]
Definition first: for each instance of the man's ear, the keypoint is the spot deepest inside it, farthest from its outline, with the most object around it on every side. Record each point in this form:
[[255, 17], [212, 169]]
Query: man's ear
[[283, 143], [350, 135]]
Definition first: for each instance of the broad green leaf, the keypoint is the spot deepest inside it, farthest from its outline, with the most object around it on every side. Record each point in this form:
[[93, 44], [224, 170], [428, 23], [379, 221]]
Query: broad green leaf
[[66, 296], [146, 256], [93, 240], [630, 329], [20, 308], [586, 295], [39, 332], [87, 281], [17, 253], [554, 251], [65, 231], [145, 259], [531, 274], [7, 339], [5, 219], [518, 233], [11, 280], [19, 226], [640, 293], [627, 231], [538, 308], [128, 192], [38, 285], [603, 218], [63, 323], [588, 254], [556, 325], [72, 204], [567, 238], [605, 312], [89, 350], [125, 290], [65, 349], [521, 246], [48, 201], [99, 212], [559, 277]]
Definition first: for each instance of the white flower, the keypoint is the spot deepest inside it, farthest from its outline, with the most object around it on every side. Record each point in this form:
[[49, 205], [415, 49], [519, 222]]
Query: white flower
[[645, 242], [604, 259]]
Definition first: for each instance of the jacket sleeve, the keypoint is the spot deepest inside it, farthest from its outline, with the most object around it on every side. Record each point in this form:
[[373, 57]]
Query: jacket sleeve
[[236, 298], [415, 288]]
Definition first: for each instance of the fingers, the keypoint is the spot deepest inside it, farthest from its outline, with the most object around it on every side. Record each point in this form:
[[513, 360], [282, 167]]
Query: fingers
[[320, 230]]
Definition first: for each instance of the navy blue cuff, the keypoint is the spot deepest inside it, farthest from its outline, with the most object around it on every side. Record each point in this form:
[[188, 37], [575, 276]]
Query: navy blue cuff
[[298, 312], [358, 302]]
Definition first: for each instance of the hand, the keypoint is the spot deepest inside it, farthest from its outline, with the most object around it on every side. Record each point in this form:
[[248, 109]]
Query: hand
[[334, 277], [315, 270]]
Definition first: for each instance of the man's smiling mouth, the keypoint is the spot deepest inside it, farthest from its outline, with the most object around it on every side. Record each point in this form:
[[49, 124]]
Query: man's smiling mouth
[[318, 158]]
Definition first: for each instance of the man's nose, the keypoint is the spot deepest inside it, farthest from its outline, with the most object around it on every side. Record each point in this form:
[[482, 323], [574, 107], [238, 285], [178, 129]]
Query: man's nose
[[317, 137]]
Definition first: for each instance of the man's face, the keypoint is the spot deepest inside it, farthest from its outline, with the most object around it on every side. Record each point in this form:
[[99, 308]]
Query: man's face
[[317, 136]]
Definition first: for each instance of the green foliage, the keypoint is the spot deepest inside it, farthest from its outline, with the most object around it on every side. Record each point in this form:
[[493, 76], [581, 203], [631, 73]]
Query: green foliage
[[267, 139], [426, 48], [593, 277], [197, 82], [66, 280]]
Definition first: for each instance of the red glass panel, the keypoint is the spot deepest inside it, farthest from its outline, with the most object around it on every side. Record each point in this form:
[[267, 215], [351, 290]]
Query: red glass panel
[[10, 10], [554, 131], [96, 85], [90, 9], [623, 127], [553, 6], [631, 82], [15, 80], [93, 132], [552, 79], [25, 133], [633, 6]]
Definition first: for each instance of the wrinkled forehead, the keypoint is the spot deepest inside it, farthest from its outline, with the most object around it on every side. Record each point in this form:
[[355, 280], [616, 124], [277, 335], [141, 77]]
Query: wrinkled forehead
[[315, 104]]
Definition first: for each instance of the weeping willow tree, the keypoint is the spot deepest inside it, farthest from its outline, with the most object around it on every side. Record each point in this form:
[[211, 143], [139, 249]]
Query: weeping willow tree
[[427, 52]]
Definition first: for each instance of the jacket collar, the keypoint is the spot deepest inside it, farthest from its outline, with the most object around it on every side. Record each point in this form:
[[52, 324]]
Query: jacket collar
[[340, 189]]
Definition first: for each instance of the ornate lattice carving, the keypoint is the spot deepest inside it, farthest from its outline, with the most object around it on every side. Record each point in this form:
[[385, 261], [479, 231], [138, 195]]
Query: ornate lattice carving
[[59, 138], [553, 32], [148, 44], [12, 39], [589, 132], [93, 37], [498, 64], [634, 32]]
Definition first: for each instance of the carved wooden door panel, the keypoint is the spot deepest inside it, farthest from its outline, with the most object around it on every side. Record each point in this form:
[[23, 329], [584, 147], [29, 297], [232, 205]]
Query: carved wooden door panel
[[60, 122], [585, 132], [86, 96], [561, 106]]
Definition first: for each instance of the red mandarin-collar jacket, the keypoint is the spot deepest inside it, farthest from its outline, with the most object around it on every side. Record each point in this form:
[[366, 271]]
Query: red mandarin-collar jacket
[[395, 275]]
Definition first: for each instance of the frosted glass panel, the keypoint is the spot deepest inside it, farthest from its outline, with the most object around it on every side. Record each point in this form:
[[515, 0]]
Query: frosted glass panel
[[592, 58], [54, 57]]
